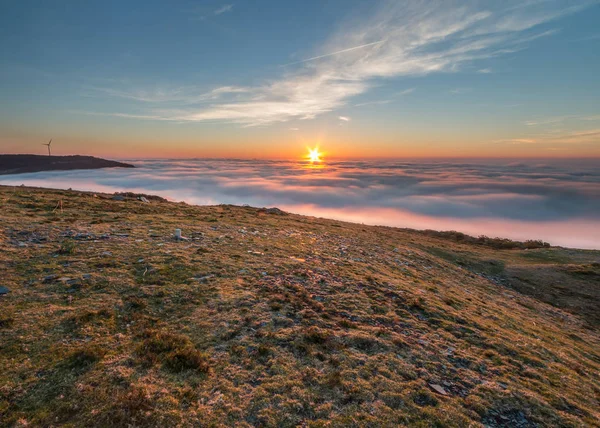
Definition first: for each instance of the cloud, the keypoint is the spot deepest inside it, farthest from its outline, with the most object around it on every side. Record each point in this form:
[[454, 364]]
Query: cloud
[[181, 95], [550, 139], [517, 141], [372, 103], [335, 53], [547, 121], [484, 71], [223, 9], [406, 91], [345, 118], [398, 39], [558, 201], [597, 117]]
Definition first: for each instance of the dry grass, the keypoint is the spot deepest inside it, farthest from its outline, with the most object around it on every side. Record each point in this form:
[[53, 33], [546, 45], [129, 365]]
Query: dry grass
[[262, 319]]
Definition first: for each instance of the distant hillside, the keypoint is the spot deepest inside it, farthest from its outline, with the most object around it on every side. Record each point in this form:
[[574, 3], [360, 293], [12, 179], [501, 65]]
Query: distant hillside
[[18, 164], [262, 318]]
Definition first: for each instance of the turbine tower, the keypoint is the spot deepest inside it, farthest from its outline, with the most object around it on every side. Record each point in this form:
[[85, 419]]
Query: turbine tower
[[48, 144]]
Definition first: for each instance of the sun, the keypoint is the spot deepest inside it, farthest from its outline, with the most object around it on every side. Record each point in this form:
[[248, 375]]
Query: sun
[[314, 155]]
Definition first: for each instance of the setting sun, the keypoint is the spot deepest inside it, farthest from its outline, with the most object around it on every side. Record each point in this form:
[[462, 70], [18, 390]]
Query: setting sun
[[314, 155]]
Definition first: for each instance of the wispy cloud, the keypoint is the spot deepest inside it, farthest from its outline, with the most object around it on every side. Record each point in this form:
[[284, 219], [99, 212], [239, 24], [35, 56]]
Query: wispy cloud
[[380, 102], [484, 71], [224, 9], [399, 39], [336, 53], [373, 103], [560, 120], [166, 95], [551, 139], [344, 118], [597, 117], [406, 91], [517, 141]]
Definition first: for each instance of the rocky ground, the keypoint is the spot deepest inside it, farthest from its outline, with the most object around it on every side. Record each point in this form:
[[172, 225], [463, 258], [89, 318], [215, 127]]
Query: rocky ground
[[262, 318]]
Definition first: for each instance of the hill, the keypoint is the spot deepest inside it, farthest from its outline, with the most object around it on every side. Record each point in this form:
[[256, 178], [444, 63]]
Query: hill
[[262, 318], [18, 164]]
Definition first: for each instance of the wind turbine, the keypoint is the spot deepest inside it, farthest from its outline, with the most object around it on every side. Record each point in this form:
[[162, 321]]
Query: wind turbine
[[48, 144]]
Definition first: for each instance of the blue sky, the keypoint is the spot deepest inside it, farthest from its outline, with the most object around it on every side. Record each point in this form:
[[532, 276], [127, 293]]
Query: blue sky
[[195, 78]]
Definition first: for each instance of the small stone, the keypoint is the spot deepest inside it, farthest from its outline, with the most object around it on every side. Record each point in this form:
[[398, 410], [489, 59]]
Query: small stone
[[106, 253], [3, 290], [143, 199], [49, 278], [86, 276], [438, 388]]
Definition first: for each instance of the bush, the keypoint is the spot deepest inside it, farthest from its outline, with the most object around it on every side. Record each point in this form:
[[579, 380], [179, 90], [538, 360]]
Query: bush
[[175, 351], [497, 243], [67, 247], [84, 357]]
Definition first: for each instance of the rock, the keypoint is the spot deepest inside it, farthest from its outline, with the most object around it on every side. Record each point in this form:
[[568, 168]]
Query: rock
[[143, 199], [438, 388], [273, 210], [118, 198], [50, 278], [106, 253], [86, 276], [3, 290]]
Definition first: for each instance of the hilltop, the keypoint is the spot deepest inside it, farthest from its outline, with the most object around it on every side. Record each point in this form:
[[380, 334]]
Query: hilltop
[[18, 164], [264, 318]]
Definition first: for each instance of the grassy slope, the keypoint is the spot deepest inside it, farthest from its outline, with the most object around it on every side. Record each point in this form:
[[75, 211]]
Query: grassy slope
[[262, 319]]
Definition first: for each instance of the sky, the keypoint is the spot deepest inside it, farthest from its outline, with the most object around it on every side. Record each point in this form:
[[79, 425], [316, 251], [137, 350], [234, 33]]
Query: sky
[[265, 79]]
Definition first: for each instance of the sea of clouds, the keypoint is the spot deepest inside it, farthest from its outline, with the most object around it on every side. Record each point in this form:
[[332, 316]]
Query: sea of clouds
[[557, 201]]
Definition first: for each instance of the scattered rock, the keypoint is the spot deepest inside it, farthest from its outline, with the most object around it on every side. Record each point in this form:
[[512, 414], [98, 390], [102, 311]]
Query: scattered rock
[[143, 199], [106, 253], [3, 290], [50, 278], [118, 198], [438, 388], [273, 210]]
